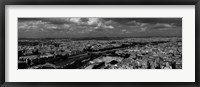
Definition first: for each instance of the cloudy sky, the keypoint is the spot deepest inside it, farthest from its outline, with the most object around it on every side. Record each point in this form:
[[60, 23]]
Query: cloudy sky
[[98, 27]]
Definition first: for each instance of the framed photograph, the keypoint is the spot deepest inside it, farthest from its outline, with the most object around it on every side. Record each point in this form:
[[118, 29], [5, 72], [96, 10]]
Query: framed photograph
[[101, 43]]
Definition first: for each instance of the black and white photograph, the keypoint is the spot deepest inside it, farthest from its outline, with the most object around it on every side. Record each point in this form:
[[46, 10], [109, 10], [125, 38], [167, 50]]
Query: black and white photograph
[[99, 43]]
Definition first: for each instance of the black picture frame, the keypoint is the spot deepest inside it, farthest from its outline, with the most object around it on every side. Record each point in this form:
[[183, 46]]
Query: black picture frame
[[99, 2]]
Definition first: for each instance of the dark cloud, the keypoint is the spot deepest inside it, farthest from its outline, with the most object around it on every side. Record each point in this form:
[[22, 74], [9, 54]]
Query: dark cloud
[[176, 21], [29, 19], [113, 27]]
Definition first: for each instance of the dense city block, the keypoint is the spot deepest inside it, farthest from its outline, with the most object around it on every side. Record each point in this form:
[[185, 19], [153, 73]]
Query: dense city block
[[100, 53]]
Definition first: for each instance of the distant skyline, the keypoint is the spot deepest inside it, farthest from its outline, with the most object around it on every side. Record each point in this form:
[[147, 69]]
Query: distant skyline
[[98, 27]]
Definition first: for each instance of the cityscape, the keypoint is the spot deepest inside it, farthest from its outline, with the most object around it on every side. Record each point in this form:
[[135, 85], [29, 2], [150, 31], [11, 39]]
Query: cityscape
[[99, 43]]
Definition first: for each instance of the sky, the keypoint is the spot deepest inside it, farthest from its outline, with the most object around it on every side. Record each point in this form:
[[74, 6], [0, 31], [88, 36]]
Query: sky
[[98, 27]]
